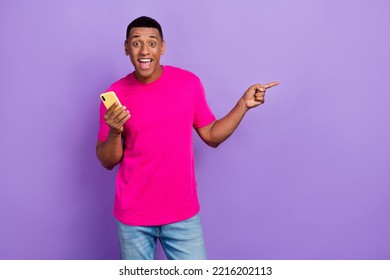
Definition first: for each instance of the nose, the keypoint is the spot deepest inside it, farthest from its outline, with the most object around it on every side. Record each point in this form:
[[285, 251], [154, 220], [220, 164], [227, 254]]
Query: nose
[[144, 49]]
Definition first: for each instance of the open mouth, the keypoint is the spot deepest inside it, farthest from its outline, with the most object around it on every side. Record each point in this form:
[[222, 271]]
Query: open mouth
[[145, 63]]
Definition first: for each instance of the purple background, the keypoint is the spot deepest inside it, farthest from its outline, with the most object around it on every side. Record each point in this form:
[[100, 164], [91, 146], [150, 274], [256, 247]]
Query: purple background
[[305, 176]]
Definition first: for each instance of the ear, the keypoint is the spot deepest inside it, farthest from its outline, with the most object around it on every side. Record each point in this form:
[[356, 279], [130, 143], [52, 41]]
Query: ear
[[126, 49], [162, 47]]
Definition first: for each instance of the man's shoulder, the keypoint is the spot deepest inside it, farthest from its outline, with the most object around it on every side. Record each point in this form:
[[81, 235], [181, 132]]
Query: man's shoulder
[[122, 82], [181, 73]]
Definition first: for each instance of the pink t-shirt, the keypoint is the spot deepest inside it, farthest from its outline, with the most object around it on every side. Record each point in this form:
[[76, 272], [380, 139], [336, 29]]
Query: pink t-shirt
[[156, 180]]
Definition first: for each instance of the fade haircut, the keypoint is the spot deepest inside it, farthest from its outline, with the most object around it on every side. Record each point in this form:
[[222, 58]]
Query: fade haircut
[[144, 22]]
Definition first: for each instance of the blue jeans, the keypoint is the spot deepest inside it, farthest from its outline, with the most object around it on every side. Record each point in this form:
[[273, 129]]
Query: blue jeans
[[180, 241]]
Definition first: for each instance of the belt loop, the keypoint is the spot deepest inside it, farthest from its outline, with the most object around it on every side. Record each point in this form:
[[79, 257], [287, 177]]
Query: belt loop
[[158, 230]]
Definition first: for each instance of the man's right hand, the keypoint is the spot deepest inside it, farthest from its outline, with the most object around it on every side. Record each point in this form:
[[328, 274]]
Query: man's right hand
[[116, 117]]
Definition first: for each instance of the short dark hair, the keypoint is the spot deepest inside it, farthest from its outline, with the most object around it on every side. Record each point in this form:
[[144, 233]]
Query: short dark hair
[[144, 21]]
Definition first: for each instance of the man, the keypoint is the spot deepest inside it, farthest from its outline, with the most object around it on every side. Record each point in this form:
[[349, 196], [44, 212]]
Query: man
[[155, 188]]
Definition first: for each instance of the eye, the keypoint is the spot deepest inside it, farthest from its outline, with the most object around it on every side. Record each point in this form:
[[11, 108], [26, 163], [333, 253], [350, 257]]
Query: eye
[[152, 44], [136, 44]]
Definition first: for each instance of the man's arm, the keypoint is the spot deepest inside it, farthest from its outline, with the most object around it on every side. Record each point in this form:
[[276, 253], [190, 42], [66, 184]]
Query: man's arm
[[218, 131], [110, 152]]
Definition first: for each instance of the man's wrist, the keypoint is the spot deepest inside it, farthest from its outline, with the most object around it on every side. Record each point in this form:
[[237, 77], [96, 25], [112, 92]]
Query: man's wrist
[[241, 104], [114, 134]]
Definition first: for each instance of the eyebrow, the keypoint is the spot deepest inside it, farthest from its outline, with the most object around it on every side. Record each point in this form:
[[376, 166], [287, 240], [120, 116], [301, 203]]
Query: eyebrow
[[150, 36]]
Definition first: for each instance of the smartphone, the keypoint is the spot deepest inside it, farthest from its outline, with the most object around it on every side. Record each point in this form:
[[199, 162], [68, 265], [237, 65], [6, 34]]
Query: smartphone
[[110, 98]]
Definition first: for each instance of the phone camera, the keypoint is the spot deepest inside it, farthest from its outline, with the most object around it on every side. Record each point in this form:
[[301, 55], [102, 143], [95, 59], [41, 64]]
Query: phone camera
[[103, 98]]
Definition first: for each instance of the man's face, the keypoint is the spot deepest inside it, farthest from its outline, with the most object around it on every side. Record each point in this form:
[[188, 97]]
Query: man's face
[[145, 47]]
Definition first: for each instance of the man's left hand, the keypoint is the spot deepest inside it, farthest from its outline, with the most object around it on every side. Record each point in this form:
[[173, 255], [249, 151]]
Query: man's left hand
[[255, 95]]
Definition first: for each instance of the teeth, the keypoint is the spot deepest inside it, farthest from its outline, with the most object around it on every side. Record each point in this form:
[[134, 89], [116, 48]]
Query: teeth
[[145, 60]]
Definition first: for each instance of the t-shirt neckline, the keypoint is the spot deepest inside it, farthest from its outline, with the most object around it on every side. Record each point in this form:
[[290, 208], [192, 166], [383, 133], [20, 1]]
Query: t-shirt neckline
[[159, 79]]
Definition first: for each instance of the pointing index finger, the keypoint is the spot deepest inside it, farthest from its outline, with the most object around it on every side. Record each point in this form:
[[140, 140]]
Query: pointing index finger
[[270, 85]]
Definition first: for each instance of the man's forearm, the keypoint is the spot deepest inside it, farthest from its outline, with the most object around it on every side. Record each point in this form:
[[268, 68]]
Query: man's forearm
[[223, 128], [110, 152]]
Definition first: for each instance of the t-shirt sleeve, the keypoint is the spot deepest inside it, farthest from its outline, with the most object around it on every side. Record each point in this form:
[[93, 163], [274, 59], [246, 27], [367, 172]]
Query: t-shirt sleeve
[[203, 115]]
